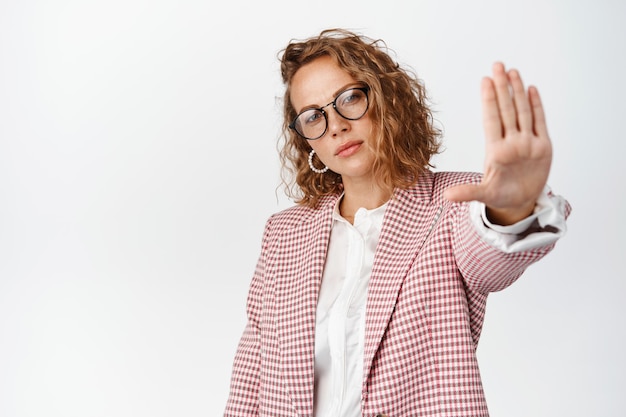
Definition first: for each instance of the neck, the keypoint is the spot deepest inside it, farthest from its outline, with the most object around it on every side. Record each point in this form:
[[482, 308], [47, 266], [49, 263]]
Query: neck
[[356, 195]]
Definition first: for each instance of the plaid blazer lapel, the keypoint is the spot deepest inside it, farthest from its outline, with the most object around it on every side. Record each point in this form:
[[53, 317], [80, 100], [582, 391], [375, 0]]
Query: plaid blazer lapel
[[409, 219], [300, 265]]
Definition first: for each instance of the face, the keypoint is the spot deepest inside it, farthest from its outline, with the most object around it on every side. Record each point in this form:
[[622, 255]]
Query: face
[[346, 147]]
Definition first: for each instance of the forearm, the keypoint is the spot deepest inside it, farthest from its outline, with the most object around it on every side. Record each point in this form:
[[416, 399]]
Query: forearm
[[491, 257]]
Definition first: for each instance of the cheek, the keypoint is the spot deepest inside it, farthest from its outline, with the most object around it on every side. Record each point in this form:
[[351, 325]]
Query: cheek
[[372, 134], [370, 126], [320, 148]]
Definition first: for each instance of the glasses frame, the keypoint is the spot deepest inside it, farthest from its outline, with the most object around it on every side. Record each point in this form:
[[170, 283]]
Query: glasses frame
[[364, 89]]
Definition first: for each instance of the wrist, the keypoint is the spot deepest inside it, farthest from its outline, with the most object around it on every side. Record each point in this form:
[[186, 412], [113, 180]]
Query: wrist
[[509, 216]]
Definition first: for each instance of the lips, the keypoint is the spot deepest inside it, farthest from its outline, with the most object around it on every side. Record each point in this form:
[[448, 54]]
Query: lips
[[348, 148]]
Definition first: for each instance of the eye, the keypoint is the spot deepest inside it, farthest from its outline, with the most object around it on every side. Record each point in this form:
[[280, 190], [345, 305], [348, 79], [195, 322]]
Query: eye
[[351, 97], [311, 117]]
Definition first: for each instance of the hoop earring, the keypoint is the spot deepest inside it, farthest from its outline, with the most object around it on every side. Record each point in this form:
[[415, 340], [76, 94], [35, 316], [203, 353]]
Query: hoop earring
[[316, 170]]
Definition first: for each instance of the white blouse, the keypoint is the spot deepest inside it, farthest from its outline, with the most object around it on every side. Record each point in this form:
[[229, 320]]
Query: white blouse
[[340, 319]]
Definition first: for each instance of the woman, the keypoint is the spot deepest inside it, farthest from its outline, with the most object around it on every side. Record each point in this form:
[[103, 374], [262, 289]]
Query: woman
[[369, 294]]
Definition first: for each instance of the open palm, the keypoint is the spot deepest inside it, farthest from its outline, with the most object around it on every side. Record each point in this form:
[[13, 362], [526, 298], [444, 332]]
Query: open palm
[[518, 151]]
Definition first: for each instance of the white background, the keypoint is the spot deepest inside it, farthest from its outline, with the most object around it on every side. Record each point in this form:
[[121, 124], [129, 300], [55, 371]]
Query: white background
[[138, 165]]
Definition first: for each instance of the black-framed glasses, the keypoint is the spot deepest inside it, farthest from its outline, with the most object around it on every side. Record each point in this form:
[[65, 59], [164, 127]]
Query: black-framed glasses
[[351, 104]]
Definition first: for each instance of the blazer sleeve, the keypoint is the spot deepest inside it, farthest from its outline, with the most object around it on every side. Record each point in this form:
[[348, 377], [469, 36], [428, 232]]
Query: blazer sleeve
[[487, 267], [243, 398]]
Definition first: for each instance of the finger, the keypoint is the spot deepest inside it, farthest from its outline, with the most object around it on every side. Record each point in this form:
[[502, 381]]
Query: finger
[[491, 115], [521, 100], [465, 192], [540, 127], [503, 95]]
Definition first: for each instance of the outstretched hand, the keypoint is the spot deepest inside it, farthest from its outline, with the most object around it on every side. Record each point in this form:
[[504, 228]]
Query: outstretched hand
[[518, 150]]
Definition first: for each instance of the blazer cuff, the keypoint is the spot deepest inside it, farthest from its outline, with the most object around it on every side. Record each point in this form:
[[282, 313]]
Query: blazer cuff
[[544, 227]]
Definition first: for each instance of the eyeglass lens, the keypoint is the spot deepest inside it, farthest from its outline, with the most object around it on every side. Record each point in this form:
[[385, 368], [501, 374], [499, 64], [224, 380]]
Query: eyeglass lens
[[350, 104]]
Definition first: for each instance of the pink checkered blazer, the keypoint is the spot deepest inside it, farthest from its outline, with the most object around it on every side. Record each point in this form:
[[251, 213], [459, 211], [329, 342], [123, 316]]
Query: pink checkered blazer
[[425, 307]]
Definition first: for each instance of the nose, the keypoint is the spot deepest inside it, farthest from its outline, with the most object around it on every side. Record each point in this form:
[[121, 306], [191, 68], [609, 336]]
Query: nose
[[336, 123]]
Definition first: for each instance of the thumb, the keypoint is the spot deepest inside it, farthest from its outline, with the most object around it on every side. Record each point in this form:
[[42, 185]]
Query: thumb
[[465, 192]]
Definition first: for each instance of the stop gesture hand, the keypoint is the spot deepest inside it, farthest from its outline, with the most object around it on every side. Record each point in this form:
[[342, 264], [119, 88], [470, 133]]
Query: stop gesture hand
[[518, 150]]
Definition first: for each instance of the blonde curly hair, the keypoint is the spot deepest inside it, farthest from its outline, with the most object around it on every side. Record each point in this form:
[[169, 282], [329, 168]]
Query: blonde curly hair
[[405, 137]]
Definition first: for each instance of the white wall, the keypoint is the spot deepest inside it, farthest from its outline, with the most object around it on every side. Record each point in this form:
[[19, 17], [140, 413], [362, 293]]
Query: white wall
[[138, 166]]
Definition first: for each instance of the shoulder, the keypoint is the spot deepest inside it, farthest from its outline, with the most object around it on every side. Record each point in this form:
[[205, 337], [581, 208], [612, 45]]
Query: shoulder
[[446, 179], [431, 185], [297, 215]]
